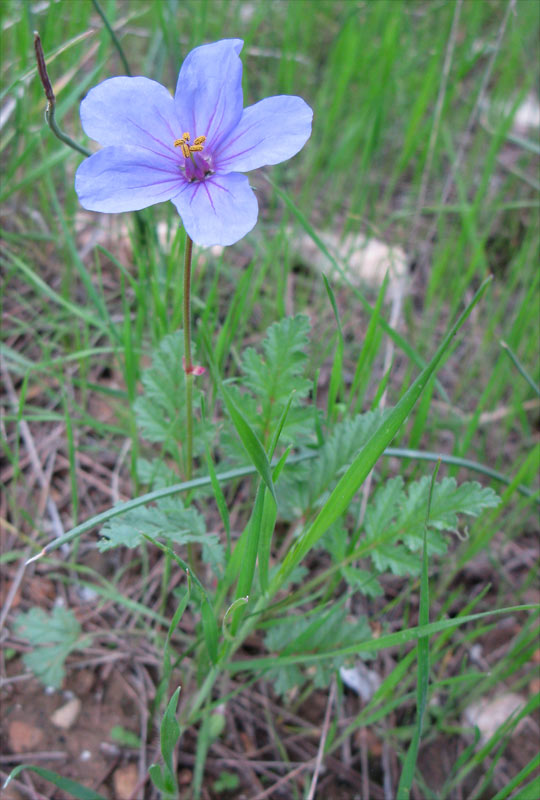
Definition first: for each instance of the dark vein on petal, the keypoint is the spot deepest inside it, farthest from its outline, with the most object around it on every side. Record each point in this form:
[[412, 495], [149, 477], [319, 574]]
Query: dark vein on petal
[[210, 198]]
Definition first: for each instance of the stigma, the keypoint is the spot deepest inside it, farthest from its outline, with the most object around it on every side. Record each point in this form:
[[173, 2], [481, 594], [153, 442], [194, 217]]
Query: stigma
[[187, 148]]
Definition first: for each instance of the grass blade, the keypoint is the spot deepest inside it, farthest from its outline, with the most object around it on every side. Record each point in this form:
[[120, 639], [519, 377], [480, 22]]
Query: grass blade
[[66, 784], [371, 645], [520, 368], [249, 439]]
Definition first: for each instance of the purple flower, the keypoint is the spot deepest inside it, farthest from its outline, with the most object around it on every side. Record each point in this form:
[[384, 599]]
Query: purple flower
[[190, 149]]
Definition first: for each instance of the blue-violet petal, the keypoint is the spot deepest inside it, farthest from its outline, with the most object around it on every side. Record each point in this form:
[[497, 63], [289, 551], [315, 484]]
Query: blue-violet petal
[[208, 95], [269, 132], [131, 111], [125, 179], [219, 210]]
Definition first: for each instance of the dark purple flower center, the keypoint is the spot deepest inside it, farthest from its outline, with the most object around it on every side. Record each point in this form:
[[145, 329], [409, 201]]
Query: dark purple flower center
[[197, 167]]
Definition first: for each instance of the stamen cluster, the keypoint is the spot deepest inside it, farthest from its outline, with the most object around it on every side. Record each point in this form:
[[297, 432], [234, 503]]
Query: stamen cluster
[[188, 149]]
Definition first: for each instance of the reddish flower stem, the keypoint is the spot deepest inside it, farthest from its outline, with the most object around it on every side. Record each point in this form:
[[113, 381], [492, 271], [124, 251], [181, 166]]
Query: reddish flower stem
[[188, 371], [188, 362]]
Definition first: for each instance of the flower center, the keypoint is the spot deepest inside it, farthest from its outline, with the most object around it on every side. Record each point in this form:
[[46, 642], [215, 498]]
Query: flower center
[[196, 167], [187, 148]]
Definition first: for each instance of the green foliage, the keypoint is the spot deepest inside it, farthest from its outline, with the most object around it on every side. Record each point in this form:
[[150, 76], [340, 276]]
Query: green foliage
[[395, 519], [306, 486], [72, 788], [124, 737], [278, 371], [226, 782], [160, 410], [360, 580], [268, 378], [163, 776], [54, 636], [155, 473], [316, 632], [167, 521]]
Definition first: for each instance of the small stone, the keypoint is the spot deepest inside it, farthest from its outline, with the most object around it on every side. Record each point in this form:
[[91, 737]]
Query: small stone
[[65, 716], [84, 681], [23, 737], [185, 776], [489, 714], [125, 781], [365, 260], [361, 680]]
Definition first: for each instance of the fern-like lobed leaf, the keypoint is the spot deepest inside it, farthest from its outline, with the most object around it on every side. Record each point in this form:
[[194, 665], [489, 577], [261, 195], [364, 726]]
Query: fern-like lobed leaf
[[304, 487], [268, 378], [169, 521], [53, 637], [160, 411]]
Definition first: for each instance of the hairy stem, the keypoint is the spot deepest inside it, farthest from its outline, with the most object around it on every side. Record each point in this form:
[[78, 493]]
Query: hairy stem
[[188, 361]]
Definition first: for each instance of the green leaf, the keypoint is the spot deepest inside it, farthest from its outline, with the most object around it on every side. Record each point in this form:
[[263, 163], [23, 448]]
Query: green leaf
[[38, 627], [304, 485], [124, 737], [158, 777], [272, 380], [247, 550], [307, 634], [226, 782], [155, 473], [395, 514], [167, 520], [383, 508], [273, 375], [248, 437], [360, 580], [170, 731], [210, 629], [73, 788], [268, 523], [448, 501], [407, 774], [396, 559], [54, 635], [251, 443], [386, 522], [160, 411]]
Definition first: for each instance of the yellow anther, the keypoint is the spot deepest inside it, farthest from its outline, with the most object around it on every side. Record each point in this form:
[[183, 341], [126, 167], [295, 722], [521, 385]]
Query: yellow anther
[[188, 149]]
